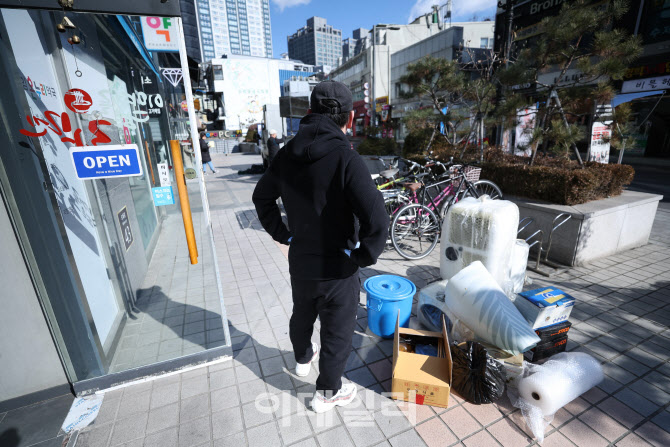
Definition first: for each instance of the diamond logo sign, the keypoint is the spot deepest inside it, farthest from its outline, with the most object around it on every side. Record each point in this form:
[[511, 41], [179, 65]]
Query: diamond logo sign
[[173, 75]]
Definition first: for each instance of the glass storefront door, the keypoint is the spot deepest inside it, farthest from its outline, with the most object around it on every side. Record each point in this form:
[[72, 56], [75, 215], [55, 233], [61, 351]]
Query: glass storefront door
[[136, 300]]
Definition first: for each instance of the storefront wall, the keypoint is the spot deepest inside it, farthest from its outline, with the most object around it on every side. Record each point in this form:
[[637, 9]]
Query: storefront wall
[[107, 90]]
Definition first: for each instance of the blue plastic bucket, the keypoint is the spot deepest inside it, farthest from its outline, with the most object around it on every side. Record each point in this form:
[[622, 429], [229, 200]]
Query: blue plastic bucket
[[386, 296]]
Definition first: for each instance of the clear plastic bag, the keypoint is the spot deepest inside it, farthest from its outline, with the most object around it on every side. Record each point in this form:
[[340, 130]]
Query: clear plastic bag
[[541, 390]]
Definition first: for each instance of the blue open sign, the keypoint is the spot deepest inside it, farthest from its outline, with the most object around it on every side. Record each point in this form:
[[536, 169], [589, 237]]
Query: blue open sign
[[107, 161]]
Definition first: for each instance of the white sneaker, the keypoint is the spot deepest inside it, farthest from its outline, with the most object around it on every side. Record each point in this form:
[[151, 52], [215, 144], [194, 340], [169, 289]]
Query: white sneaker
[[345, 396], [303, 369]]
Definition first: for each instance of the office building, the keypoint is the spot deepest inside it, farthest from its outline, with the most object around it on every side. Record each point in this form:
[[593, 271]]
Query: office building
[[234, 27], [352, 46], [317, 43]]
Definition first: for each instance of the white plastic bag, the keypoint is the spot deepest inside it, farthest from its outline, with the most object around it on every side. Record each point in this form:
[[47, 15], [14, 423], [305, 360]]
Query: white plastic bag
[[477, 300], [430, 309], [479, 230]]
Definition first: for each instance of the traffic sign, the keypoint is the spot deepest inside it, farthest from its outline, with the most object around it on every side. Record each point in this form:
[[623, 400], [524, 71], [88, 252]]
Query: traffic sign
[[122, 160]]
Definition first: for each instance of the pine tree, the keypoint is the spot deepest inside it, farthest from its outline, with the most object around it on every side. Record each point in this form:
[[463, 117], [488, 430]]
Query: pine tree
[[583, 42]]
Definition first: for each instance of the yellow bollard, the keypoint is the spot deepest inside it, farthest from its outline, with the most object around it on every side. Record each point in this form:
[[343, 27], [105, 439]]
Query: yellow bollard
[[178, 166]]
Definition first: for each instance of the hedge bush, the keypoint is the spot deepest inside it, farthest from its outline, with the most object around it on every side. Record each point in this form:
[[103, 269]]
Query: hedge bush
[[563, 185], [378, 146]]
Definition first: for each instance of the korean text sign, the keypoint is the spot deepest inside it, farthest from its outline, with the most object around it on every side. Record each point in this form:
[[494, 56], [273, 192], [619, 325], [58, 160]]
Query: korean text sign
[[160, 33]]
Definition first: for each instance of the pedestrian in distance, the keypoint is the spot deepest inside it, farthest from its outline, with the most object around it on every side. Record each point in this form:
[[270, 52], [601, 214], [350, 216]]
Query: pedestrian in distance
[[206, 157], [273, 145], [326, 189]]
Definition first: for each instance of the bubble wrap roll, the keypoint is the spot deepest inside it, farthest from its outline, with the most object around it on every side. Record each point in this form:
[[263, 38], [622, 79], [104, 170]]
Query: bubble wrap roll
[[562, 379]]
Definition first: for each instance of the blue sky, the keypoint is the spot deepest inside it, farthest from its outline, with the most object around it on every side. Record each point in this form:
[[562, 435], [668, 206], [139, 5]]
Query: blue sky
[[289, 15]]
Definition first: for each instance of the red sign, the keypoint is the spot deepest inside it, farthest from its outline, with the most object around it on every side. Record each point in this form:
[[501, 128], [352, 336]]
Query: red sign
[[60, 124], [77, 100]]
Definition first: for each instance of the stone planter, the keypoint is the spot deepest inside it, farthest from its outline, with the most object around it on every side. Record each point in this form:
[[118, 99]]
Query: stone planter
[[597, 229], [247, 147]]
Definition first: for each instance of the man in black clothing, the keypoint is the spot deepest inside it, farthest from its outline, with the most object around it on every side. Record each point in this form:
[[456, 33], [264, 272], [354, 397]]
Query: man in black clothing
[[273, 145], [324, 187]]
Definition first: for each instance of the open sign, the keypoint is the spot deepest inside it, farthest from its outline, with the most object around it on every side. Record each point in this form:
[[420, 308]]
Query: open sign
[[107, 161]]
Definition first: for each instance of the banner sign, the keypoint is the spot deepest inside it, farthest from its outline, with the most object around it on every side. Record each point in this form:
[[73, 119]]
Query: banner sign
[[163, 195], [160, 33], [106, 161]]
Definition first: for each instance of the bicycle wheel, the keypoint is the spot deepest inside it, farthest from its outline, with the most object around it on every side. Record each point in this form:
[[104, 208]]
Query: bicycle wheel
[[415, 231], [485, 187], [393, 205]]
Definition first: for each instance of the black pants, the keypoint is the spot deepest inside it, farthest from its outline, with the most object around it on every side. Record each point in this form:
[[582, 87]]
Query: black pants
[[335, 302]]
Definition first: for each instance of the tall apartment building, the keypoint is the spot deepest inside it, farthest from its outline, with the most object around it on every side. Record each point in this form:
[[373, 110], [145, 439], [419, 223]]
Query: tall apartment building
[[317, 43], [234, 27]]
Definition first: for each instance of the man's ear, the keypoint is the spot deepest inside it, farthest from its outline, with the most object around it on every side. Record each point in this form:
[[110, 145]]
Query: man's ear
[[350, 121]]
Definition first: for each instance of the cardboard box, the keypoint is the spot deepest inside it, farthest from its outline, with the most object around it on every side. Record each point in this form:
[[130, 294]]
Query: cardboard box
[[545, 306], [423, 379]]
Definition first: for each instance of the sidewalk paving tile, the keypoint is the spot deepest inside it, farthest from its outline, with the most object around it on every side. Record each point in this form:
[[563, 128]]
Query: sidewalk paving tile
[[622, 317]]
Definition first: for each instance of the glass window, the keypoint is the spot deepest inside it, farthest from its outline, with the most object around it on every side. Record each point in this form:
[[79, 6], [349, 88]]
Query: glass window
[[118, 244]]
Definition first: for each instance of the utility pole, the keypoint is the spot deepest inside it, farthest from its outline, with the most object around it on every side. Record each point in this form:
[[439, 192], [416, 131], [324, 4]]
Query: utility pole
[[508, 6], [373, 100]]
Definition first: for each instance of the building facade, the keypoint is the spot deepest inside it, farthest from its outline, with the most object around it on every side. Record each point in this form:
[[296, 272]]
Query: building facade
[[376, 52], [317, 43], [240, 27], [352, 46], [95, 263], [247, 85], [446, 44], [645, 81]]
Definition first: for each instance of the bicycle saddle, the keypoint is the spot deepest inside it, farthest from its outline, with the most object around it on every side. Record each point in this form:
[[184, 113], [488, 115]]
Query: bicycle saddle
[[412, 186], [389, 173]]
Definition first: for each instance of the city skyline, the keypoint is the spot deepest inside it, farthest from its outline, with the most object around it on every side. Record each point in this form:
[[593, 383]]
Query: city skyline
[[348, 15]]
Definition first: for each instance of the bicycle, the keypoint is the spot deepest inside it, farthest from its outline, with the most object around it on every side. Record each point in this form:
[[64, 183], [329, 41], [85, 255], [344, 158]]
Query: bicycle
[[416, 227]]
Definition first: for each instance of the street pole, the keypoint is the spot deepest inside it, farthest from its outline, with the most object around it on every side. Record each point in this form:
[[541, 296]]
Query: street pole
[[509, 7], [373, 101]]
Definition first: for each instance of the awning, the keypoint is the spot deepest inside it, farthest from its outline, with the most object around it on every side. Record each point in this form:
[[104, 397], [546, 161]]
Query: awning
[[627, 97], [138, 44]]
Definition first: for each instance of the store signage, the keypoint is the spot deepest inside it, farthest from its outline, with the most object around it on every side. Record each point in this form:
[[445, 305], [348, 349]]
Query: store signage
[[379, 102], [145, 106], [163, 195], [60, 124], [524, 130], [648, 84], [126, 231], [601, 134], [190, 173], [160, 33], [105, 162], [646, 70], [164, 174]]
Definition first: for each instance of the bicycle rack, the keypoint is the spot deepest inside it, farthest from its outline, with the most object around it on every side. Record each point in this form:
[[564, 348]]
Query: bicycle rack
[[558, 268], [528, 220]]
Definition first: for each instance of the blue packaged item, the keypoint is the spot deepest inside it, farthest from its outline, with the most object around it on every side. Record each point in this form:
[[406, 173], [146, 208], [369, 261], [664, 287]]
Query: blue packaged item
[[545, 306]]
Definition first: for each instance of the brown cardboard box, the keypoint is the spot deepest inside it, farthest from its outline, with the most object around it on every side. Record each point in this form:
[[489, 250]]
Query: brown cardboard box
[[418, 378]]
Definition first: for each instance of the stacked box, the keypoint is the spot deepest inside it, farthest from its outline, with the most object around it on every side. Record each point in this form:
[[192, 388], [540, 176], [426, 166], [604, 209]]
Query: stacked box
[[544, 307], [546, 350]]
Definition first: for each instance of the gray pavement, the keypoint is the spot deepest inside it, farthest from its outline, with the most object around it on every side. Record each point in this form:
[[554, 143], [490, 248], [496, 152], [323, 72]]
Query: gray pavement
[[622, 317]]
